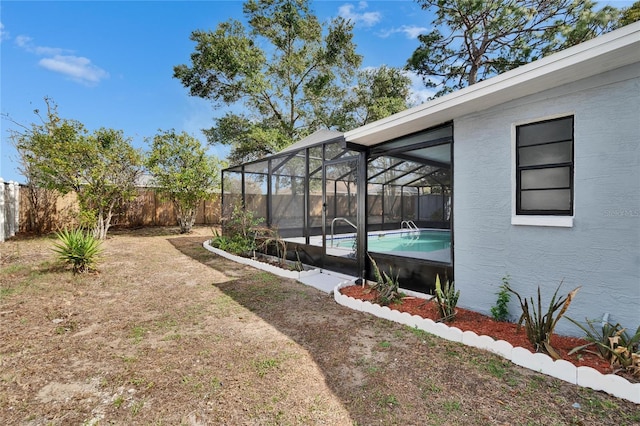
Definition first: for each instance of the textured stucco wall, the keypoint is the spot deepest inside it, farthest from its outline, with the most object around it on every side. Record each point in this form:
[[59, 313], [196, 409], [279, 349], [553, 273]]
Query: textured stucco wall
[[601, 252]]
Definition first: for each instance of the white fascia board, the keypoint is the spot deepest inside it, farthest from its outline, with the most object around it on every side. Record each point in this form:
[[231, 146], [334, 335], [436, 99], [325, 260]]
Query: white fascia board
[[607, 52]]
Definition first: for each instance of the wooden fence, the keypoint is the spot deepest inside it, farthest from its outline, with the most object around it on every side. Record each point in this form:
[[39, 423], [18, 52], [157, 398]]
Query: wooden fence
[[149, 208]]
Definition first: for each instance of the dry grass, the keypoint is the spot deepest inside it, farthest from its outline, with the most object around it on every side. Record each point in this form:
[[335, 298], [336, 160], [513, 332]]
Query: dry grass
[[168, 333]]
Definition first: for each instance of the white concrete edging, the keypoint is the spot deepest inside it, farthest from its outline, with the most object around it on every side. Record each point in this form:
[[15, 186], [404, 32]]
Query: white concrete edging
[[561, 369], [296, 275]]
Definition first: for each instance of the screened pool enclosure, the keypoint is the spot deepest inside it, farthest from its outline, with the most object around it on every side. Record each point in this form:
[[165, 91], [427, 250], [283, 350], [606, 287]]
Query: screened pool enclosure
[[334, 202]]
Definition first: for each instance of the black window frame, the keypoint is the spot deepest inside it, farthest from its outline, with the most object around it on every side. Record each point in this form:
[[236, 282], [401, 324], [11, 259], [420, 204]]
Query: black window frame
[[570, 164]]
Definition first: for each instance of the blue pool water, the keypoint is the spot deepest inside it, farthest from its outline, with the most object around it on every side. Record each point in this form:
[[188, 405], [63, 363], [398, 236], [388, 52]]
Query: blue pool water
[[420, 241]]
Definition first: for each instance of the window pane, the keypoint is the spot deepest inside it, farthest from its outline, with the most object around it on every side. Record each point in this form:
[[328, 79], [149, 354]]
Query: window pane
[[548, 131], [545, 154], [557, 177], [555, 199]]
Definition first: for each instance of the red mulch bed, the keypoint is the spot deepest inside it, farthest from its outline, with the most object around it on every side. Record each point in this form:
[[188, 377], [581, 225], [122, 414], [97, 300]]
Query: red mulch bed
[[467, 320]]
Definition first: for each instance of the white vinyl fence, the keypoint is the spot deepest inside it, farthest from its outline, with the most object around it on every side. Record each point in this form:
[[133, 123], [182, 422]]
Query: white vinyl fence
[[9, 209]]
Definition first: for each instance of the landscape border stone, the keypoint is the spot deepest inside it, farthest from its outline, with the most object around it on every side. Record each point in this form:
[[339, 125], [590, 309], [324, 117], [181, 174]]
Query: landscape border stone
[[582, 376], [542, 363]]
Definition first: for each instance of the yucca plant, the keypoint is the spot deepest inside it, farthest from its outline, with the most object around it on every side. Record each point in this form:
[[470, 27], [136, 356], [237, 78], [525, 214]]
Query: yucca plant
[[598, 338], [78, 249], [539, 326], [386, 285], [446, 299], [612, 343]]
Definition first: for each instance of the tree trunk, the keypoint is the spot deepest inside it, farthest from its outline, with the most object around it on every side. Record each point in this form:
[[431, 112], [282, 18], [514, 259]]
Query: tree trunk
[[186, 218]]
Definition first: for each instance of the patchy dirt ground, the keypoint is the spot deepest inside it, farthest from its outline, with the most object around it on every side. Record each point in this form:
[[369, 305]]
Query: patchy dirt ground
[[169, 333]]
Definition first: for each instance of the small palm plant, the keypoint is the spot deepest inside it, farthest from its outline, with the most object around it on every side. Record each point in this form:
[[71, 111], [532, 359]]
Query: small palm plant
[[78, 249]]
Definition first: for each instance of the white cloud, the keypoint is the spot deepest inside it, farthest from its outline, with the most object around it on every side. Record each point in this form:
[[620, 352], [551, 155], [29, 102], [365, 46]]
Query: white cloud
[[411, 31], [357, 15], [23, 41], [4, 35], [419, 92], [27, 44], [78, 68]]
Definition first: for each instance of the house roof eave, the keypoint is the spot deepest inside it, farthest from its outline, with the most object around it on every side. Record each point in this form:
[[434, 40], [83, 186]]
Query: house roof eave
[[607, 52]]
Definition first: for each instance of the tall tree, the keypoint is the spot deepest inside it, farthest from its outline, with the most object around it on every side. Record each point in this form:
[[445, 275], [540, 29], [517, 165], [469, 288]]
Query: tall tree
[[473, 40], [379, 93], [286, 70], [629, 15], [102, 168], [183, 172], [42, 201]]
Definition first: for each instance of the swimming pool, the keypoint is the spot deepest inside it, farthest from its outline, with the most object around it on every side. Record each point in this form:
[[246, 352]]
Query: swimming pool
[[400, 241]]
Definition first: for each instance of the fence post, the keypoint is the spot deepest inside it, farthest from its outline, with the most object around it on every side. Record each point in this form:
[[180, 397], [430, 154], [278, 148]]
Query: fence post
[[10, 209], [2, 211], [16, 207]]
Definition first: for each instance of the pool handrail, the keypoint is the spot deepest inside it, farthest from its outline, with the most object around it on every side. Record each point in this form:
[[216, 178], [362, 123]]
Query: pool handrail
[[410, 225], [340, 218]]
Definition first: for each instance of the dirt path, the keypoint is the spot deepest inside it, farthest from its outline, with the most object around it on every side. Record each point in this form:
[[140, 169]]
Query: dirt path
[[168, 333]]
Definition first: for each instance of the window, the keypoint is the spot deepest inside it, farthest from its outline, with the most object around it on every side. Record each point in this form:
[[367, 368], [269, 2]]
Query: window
[[544, 168]]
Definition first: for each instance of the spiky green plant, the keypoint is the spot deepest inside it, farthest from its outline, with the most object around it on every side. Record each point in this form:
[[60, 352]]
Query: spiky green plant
[[386, 285], [597, 338], [612, 343], [446, 299], [538, 326], [78, 249]]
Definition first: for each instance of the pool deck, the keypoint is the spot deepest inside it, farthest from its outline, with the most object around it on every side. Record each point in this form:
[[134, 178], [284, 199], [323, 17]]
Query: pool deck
[[326, 280]]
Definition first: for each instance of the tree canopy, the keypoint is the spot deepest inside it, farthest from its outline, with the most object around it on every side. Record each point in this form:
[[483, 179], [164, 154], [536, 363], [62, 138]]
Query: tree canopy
[[102, 167], [183, 172], [473, 40], [379, 92], [629, 15], [286, 69]]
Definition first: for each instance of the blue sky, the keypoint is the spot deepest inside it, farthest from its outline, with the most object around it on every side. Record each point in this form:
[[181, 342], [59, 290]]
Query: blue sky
[[110, 64]]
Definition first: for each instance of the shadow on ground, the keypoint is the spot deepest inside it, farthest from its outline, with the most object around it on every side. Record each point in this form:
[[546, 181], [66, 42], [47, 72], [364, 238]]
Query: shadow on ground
[[387, 373]]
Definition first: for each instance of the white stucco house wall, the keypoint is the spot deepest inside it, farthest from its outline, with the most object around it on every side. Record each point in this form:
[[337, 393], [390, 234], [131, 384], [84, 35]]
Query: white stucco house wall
[[546, 178]]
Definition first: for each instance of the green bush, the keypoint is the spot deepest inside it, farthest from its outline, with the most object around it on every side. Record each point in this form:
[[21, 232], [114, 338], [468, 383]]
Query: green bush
[[78, 249], [239, 235], [500, 311], [235, 244]]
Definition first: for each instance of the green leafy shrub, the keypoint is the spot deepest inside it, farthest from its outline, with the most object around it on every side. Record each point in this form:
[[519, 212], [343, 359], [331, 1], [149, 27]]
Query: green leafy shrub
[[539, 327], [78, 249], [235, 244], [386, 285], [612, 343], [242, 222], [446, 299], [500, 311], [239, 235]]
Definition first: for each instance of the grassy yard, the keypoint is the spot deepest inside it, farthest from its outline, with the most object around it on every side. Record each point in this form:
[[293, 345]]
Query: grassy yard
[[168, 333]]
